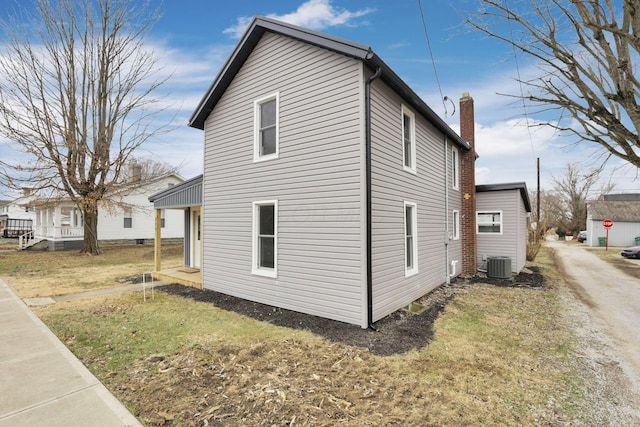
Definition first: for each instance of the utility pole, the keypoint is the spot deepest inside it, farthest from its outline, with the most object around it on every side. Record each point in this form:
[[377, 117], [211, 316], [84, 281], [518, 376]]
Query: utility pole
[[538, 197]]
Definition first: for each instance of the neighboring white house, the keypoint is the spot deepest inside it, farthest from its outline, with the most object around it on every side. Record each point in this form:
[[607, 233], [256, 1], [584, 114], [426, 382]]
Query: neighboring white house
[[502, 222], [20, 208], [623, 210], [128, 216]]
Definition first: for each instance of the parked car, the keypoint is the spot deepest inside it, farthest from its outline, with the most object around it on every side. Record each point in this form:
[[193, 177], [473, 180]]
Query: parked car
[[582, 236], [632, 252]]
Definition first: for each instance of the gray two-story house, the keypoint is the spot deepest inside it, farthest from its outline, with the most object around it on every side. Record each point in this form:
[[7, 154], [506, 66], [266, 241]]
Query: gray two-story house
[[329, 186]]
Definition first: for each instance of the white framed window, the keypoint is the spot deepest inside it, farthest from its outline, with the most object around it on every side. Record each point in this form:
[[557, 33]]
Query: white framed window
[[162, 218], [410, 239], [265, 238], [489, 222], [408, 140], [266, 127], [455, 224], [128, 219], [455, 168]]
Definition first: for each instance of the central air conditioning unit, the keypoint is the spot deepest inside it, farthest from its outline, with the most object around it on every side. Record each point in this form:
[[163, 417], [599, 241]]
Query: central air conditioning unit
[[499, 267]]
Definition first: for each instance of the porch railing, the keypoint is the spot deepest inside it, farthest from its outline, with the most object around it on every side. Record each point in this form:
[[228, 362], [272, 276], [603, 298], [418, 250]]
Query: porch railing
[[55, 232], [25, 240]]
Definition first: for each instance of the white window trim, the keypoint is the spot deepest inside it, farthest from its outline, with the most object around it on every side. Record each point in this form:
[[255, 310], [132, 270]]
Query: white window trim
[[455, 161], [455, 235], [256, 128], [490, 212], [255, 269], [412, 167], [408, 272]]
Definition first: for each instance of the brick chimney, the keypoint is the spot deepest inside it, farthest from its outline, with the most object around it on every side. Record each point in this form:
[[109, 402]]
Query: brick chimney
[[468, 187]]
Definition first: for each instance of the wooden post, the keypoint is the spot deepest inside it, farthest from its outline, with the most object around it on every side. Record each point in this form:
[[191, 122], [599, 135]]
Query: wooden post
[[157, 243]]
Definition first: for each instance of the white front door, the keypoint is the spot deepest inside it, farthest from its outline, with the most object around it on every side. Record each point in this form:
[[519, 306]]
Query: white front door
[[196, 246]]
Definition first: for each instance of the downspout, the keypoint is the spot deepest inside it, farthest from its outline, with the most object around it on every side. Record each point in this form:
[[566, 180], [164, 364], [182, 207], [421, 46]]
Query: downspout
[[367, 107], [447, 232]]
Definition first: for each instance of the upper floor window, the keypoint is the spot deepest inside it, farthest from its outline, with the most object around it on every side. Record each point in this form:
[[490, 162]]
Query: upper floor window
[[266, 112], [455, 168], [408, 140], [410, 239], [265, 238], [489, 222]]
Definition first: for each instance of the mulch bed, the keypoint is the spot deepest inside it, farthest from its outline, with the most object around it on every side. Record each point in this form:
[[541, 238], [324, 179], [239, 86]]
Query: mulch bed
[[396, 333]]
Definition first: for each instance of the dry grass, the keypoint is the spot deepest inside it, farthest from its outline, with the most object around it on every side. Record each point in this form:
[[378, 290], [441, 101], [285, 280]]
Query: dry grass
[[501, 356], [43, 273]]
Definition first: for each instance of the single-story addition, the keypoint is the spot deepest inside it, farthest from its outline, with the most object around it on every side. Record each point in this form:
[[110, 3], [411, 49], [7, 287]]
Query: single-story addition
[[127, 218], [186, 199], [329, 187], [502, 222], [624, 210]]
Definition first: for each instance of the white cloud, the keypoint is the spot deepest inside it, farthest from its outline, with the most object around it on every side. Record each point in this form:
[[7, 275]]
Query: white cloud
[[312, 14]]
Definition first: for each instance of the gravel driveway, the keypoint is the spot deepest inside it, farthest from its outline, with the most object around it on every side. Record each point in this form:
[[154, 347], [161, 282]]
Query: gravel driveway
[[606, 307]]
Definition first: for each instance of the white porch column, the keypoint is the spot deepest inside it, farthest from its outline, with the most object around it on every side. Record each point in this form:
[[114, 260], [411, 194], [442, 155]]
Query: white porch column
[[57, 222]]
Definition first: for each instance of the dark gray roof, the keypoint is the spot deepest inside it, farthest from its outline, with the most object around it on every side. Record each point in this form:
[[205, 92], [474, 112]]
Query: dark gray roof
[[520, 186], [188, 193], [261, 24], [627, 197], [623, 211]]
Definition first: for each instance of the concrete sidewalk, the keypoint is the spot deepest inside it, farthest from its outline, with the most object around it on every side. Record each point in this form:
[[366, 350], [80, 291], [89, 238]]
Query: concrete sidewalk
[[42, 382]]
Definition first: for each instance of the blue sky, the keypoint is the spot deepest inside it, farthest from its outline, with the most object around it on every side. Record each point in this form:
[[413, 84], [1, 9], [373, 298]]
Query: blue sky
[[194, 38]]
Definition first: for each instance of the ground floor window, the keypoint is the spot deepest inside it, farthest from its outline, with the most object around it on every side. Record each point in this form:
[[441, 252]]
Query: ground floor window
[[265, 238], [128, 220], [455, 232], [410, 239], [489, 222]]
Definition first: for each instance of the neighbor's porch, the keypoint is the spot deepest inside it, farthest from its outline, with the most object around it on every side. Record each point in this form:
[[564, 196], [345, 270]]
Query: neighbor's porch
[[59, 221]]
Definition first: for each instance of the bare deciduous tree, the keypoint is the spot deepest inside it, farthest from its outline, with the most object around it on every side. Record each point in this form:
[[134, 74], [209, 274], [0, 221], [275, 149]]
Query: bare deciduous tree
[[76, 98], [588, 54], [567, 205]]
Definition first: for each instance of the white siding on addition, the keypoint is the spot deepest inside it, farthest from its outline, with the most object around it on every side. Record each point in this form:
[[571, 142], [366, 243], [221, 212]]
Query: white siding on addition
[[315, 179]]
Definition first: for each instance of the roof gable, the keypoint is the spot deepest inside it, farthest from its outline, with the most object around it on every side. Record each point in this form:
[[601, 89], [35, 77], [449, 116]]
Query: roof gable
[[360, 52]]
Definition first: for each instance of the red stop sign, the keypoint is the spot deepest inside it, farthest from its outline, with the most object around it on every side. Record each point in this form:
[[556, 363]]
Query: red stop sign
[[607, 223]]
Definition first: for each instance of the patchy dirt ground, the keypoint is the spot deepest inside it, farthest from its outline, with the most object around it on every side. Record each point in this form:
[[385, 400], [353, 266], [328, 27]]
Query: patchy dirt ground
[[397, 333], [270, 394]]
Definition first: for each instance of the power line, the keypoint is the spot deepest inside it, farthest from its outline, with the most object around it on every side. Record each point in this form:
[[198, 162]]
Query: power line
[[433, 62], [524, 106]]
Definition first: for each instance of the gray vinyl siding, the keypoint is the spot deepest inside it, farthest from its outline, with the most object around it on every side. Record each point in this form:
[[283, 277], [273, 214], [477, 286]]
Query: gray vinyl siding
[[316, 181], [512, 241], [391, 186], [522, 237]]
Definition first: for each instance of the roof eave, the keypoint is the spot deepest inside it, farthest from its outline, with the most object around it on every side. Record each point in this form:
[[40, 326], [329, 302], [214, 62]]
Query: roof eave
[[364, 53]]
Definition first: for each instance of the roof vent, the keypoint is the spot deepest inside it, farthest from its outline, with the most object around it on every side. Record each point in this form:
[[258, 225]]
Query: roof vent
[[499, 267]]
